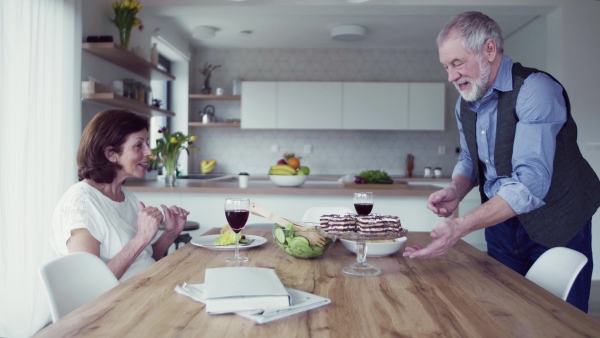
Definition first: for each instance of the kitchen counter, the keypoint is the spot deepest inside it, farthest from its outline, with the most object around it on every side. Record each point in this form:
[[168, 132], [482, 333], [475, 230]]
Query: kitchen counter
[[317, 185]]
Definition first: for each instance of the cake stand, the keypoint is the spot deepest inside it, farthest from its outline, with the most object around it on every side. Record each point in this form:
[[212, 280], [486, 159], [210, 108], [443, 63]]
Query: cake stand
[[361, 267]]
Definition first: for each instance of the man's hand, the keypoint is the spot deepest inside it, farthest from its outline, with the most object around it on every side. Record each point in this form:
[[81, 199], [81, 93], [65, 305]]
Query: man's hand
[[443, 237], [443, 202]]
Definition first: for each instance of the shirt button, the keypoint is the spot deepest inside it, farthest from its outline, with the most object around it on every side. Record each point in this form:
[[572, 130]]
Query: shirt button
[[483, 132], [487, 161]]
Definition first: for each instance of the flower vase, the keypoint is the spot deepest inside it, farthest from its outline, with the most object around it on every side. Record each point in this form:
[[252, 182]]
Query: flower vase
[[206, 87], [124, 35], [170, 163]]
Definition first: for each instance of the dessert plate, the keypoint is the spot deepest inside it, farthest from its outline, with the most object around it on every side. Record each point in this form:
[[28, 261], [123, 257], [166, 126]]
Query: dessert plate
[[208, 240]]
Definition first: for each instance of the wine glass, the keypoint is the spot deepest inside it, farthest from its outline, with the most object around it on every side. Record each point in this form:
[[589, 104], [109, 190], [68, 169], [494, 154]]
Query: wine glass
[[363, 203], [237, 211]]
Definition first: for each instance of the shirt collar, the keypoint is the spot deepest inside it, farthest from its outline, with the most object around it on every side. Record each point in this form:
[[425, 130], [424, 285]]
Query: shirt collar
[[503, 81]]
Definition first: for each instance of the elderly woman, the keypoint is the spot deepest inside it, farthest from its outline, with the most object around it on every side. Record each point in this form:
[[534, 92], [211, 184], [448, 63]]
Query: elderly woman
[[98, 215]]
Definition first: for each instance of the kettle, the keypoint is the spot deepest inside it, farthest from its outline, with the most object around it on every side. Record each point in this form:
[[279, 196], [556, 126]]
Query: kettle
[[208, 115]]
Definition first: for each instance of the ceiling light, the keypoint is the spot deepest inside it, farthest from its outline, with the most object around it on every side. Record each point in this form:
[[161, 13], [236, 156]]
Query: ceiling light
[[348, 32], [204, 32], [356, 1]]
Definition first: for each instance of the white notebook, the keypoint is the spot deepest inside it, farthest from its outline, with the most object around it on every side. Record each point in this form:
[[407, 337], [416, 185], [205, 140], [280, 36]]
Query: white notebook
[[236, 289], [301, 301]]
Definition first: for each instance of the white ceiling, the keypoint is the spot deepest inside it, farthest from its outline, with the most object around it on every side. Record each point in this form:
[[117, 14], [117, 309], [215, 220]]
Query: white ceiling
[[308, 23]]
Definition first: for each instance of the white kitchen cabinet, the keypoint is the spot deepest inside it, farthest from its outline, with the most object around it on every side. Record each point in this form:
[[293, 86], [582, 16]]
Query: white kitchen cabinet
[[259, 105], [309, 105], [426, 106], [375, 106]]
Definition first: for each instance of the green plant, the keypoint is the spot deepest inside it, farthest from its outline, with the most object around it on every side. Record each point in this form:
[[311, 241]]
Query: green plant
[[168, 148], [206, 71], [125, 19]]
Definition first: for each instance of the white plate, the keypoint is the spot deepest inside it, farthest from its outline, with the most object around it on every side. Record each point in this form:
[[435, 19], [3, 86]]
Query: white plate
[[208, 240]]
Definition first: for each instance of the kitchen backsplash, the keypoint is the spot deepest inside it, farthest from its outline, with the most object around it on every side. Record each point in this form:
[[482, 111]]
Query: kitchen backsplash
[[333, 151]]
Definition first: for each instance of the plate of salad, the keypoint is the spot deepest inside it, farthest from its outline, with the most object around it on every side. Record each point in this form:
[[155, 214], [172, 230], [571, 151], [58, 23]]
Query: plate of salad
[[227, 241]]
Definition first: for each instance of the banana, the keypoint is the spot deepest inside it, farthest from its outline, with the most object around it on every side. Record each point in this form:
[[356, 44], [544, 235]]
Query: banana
[[207, 166], [282, 169]]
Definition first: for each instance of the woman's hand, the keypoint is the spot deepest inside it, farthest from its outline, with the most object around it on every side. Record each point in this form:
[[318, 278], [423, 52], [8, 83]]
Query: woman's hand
[[443, 202], [175, 218], [148, 221]]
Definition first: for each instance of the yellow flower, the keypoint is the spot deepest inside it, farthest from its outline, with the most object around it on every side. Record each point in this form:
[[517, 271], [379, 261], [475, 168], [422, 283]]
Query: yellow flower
[[173, 139], [126, 3], [193, 138], [136, 22], [138, 8]]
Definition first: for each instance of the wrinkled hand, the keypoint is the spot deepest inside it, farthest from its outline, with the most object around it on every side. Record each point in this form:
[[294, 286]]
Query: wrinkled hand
[[175, 218], [443, 202], [443, 237], [148, 221]]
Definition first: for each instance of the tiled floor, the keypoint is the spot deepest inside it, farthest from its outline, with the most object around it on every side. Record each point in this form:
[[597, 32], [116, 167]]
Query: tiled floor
[[594, 305]]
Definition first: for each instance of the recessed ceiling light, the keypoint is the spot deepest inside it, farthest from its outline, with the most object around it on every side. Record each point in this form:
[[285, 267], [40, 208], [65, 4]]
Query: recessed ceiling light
[[348, 33], [204, 32]]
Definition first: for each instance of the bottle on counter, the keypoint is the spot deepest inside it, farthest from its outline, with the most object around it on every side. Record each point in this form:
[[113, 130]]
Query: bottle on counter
[[154, 55], [437, 172]]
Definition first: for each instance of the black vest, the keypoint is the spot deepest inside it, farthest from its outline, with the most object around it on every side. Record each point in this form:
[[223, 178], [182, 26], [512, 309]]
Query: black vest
[[574, 194]]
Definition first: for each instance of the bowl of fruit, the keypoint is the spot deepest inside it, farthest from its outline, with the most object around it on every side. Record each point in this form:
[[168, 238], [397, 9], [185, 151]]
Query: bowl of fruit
[[288, 172], [299, 246]]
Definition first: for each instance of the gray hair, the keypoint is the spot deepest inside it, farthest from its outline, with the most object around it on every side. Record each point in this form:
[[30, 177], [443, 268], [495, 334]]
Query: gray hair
[[473, 28]]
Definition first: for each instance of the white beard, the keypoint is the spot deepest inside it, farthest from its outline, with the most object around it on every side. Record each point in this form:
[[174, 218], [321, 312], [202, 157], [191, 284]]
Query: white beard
[[478, 87]]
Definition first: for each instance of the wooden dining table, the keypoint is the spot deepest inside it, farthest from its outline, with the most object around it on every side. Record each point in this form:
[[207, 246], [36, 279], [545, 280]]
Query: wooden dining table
[[463, 293]]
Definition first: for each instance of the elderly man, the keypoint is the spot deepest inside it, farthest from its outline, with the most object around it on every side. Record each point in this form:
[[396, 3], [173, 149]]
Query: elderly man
[[519, 144]]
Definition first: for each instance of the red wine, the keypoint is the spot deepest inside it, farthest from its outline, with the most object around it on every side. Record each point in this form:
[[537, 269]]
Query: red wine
[[363, 209], [237, 219]]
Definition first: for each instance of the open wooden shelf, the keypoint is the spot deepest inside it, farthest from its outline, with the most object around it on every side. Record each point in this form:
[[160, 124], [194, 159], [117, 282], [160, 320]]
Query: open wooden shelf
[[214, 124], [112, 52], [215, 97], [119, 101]]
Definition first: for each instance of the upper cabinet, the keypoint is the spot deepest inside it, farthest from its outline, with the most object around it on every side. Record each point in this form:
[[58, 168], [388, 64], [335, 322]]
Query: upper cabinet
[[259, 105], [343, 105], [309, 105], [129, 61], [375, 105], [426, 106]]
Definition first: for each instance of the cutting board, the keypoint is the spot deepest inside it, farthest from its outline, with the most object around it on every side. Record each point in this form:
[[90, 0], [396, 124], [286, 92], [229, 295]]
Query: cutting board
[[362, 186]]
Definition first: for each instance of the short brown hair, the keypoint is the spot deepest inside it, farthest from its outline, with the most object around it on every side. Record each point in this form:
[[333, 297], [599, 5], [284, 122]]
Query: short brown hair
[[109, 128]]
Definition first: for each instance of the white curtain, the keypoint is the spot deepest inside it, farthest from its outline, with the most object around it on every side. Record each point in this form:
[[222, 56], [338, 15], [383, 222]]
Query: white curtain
[[40, 122]]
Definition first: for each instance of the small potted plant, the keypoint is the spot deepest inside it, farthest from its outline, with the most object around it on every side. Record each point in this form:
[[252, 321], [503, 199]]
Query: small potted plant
[[167, 152], [206, 71]]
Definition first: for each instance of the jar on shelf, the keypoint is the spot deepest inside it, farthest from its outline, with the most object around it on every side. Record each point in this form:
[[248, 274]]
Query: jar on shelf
[[129, 90], [139, 87], [148, 95]]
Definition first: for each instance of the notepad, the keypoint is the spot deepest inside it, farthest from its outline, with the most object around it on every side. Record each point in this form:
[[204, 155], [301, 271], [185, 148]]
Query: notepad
[[300, 302], [235, 289]]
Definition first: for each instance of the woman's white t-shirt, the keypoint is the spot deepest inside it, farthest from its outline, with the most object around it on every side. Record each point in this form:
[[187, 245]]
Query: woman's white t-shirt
[[111, 223]]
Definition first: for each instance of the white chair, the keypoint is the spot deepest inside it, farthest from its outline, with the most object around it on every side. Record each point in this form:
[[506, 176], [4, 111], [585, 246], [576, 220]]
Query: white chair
[[556, 269], [75, 279], [314, 214]]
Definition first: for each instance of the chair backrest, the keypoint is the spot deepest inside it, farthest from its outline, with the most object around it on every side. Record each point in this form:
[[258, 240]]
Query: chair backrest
[[314, 214], [75, 279], [556, 269]]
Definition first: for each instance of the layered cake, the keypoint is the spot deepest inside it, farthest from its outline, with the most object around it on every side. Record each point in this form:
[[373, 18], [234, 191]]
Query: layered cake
[[371, 224], [338, 224]]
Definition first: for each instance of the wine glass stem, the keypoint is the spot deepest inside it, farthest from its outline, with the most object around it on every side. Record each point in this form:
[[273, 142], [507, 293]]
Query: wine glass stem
[[236, 245], [361, 251]]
